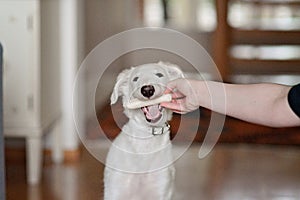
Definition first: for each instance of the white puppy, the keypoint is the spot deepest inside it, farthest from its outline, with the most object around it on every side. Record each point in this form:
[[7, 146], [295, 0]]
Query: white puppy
[[139, 163]]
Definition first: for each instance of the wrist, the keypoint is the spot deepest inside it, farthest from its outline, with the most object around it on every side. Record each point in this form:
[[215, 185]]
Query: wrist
[[203, 93], [200, 92]]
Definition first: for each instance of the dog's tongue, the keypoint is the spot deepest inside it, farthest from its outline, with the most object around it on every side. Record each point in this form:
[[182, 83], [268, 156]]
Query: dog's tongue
[[152, 112]]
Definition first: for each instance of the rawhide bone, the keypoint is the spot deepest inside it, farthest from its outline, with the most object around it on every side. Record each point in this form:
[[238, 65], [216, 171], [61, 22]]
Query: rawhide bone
[[136, 103]]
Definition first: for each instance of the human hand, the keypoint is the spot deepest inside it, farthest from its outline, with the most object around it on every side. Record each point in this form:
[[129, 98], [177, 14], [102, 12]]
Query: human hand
[[185, 95]]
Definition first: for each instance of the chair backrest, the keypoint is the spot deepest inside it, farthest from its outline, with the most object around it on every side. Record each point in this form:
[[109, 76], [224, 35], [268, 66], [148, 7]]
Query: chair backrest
[[257, 37]]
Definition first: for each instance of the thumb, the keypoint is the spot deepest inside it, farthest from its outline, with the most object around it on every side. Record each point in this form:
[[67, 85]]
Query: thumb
[[171, 86]]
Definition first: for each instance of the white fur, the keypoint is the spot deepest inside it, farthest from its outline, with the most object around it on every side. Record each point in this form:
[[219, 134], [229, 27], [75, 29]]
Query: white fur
[[139, 164]]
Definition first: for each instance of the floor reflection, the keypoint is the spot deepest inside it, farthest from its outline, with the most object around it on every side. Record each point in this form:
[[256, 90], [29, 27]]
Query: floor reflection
[[233, 172]]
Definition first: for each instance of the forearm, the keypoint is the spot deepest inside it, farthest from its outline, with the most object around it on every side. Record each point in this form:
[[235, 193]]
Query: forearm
[[257, 103]]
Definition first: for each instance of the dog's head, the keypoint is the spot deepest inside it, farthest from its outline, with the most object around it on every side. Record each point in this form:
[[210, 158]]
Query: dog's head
[[145, 82]]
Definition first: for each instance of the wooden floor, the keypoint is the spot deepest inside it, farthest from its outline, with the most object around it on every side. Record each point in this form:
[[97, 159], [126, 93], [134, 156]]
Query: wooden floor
[[233, 172], [77, 180]]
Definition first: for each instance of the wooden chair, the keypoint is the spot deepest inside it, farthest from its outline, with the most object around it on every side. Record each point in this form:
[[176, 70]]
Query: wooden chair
[[229, 38], [257, 38]]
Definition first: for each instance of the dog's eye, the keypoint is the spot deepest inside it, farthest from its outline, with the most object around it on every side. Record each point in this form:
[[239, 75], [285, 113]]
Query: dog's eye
[[159, 75], [135, 79]]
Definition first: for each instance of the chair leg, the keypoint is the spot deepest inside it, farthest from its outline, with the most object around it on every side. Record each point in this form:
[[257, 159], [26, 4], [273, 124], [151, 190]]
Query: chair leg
[[34, 159], [57, 152]]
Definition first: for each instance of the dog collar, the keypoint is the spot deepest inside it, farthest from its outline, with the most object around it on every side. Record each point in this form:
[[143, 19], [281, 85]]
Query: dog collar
[[160, 130], [147, 132]]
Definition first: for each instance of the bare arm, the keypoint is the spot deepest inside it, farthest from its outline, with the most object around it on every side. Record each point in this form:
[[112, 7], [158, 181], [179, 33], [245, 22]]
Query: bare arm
[[264, 104]]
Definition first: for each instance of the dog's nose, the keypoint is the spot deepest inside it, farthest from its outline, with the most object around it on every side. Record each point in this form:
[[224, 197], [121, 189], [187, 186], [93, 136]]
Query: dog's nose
[[147, 91]]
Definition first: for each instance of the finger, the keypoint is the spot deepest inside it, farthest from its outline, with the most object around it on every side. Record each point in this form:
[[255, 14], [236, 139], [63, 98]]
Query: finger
[[170, 105], [172, 85], [175, 107], [177, 95], [179, 112], [168, 91]]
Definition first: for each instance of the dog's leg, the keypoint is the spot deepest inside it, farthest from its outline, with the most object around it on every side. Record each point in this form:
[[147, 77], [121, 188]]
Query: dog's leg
[[170, 193], [164, 183], [110, 184], [170, 190], [118, 185]]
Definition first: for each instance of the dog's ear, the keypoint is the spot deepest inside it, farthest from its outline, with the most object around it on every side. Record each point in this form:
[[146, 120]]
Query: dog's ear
[[121, 85], [174, 72]]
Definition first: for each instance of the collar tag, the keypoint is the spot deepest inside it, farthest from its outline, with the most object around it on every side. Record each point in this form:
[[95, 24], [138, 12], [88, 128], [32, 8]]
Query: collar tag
[[156, 131]]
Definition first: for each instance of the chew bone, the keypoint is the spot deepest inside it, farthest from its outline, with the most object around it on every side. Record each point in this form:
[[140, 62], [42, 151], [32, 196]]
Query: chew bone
[[136, 103]]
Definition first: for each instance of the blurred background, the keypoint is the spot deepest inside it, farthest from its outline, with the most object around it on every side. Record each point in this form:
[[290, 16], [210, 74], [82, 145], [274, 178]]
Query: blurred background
[[45, 41]]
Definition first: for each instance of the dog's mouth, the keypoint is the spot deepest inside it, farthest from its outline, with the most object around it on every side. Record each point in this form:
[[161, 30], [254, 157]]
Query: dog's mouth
[[153, 113]]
